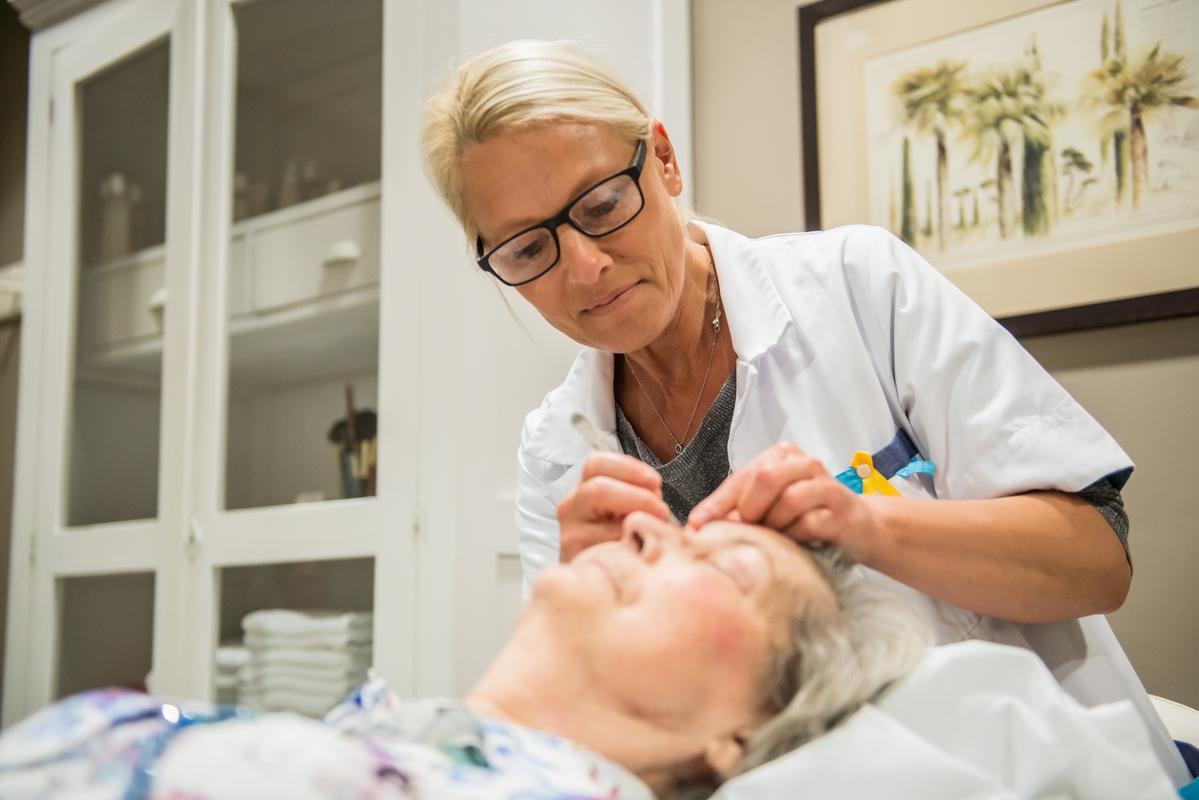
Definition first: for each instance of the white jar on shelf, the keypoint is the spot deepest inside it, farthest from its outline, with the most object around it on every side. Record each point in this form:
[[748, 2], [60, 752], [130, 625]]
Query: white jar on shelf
[[116, 217]]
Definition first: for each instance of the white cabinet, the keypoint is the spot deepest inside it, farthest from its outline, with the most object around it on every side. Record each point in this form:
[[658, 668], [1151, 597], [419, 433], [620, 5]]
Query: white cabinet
[[219, 256]]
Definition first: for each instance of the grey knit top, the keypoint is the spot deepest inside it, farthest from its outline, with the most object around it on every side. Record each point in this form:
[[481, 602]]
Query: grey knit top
[[703, 465]]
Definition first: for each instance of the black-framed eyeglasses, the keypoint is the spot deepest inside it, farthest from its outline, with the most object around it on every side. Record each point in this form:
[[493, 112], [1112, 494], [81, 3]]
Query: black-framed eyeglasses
[[603, 209]]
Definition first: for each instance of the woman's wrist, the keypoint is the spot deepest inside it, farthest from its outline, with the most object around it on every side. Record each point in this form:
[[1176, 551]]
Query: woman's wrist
[[879, 538]]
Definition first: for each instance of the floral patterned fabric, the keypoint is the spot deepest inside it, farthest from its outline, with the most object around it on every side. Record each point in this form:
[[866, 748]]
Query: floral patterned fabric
[[118, 744]]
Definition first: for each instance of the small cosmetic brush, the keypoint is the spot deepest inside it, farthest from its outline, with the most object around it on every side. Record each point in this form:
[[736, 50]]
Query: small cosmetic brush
[[592, 436]]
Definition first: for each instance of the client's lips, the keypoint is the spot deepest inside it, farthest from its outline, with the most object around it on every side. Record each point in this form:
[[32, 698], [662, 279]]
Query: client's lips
[[613, 300]]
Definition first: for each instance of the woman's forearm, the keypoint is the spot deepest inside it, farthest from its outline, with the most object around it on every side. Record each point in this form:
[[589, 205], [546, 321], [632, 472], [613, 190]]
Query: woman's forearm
[[1038, 557]]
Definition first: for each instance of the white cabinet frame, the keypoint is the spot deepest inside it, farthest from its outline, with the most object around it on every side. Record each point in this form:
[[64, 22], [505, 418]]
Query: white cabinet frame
[[380, 527], [43, 544]]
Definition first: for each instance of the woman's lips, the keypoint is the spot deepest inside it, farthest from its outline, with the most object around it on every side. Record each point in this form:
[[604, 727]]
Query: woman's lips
[[613, 302]]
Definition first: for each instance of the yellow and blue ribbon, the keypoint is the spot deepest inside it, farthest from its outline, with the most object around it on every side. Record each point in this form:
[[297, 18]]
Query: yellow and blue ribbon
[[870, 474]]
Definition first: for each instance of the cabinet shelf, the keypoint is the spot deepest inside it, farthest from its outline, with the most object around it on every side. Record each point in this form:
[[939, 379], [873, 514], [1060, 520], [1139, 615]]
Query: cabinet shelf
[[304, 684], [304, 274]]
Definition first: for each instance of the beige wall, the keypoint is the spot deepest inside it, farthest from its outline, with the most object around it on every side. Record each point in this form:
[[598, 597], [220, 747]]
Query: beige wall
[[1141, 381], [746, 108]]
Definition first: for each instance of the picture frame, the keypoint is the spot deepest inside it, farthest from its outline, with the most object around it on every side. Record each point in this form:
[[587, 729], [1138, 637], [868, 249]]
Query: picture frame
[[1097, 281]]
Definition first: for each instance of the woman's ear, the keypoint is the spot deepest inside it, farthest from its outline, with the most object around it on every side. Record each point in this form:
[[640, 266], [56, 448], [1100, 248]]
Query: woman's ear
[[723, 754], [665, 153]]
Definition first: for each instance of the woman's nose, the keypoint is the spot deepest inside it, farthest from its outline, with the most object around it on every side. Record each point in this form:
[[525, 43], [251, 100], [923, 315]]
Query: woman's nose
[[583, 256]]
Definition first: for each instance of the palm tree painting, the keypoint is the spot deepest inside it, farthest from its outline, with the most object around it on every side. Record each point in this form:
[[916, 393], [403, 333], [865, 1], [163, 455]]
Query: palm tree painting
[[1077, 121], [1128, 90], [1075, 163], [932, 100]]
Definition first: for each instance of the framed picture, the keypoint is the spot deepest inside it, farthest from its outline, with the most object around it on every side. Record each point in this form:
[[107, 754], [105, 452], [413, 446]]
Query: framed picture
[[1044, 154]]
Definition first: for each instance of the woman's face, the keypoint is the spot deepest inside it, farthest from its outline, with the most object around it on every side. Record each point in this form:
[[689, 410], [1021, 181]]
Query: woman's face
[[678, 625], [617, 292]]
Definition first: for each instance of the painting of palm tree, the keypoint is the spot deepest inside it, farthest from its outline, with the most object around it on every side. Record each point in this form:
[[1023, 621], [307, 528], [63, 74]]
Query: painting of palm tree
[[1075, 163], [1048, 138], [1008, 111], [932, 102], [1127, 91]]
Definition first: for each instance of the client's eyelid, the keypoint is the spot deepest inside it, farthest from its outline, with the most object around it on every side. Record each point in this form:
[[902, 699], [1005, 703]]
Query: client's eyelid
[[708, 549], [744, 582]]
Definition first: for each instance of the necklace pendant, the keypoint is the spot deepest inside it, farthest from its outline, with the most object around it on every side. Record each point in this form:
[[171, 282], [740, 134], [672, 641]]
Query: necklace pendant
[[678, 448]]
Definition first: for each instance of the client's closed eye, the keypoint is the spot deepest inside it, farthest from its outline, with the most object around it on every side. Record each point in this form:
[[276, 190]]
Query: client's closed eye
[[734, 563]]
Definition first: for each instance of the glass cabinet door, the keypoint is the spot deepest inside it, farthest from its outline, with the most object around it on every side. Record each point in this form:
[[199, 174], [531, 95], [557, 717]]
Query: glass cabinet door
[[303, 266], [112, 446]]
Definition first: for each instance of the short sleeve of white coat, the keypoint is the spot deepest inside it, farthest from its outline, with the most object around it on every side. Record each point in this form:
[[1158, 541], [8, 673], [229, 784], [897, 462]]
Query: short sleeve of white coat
[[536, 512], [992, 419]]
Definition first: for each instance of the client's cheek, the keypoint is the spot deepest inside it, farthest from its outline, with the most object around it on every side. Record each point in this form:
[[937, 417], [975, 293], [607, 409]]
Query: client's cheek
[[722, 627]]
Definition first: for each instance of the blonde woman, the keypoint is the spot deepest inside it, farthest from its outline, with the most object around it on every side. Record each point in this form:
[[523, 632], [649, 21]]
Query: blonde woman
[[702, 349], [792, 381]]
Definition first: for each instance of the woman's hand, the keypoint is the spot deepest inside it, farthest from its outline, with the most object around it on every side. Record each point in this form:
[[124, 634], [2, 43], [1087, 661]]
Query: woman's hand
[[785, 489], [1036, 557], [613, 486]]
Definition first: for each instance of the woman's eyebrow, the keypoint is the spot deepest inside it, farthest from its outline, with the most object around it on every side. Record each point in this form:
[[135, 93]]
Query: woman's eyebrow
[[581, 187]]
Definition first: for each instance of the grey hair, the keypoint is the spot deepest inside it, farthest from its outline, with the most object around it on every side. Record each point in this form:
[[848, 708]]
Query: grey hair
[[836, 660]]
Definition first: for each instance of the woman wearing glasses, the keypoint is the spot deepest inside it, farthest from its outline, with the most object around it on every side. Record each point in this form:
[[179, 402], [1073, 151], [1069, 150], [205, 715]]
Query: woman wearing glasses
[[790, 381]]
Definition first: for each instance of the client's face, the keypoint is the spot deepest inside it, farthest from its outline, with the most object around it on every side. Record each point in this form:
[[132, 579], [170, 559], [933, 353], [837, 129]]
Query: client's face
[[679, 626]]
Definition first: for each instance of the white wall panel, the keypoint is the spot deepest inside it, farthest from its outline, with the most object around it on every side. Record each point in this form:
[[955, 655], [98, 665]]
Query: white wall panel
[[486, 362]]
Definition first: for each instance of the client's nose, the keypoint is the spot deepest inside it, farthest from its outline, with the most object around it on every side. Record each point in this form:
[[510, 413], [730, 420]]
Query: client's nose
[[648, 535]]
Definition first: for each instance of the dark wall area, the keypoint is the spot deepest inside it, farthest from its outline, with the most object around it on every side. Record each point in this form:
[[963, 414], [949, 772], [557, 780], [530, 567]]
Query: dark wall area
[[14, 100]]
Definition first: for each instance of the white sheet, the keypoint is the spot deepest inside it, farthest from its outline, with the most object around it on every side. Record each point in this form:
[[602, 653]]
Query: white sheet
[[975, 720]]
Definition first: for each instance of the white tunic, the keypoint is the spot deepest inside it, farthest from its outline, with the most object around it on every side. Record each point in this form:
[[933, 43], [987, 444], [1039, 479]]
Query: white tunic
[[843, 338]]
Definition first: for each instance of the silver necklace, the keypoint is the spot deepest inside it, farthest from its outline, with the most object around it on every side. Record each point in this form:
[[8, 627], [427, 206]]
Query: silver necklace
[[678, 445]]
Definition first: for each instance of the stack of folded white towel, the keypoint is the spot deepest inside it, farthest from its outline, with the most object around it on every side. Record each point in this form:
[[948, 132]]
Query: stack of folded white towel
[[231, 658], [304, 661]]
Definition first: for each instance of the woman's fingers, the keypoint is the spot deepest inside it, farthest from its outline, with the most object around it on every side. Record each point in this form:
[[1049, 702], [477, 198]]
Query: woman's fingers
[[817, 525], [824, 510], [622, 468], [786, 490], [768, 485], [724, 500], [752, 489], [718, 504], [595, 510], [604, 497], [805, 506]]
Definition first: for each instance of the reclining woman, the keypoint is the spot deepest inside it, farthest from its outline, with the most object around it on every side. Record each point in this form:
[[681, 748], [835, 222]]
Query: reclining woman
[[661, 663]]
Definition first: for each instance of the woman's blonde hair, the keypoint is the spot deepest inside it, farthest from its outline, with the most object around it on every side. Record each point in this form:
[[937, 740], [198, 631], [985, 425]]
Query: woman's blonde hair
[[519, 84]]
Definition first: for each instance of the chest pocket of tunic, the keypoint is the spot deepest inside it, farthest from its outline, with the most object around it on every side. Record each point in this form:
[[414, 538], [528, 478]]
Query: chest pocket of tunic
[[871, 474]]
